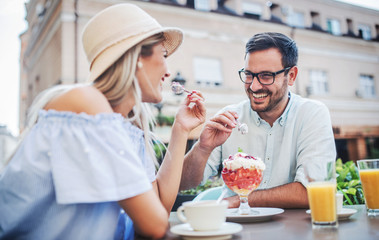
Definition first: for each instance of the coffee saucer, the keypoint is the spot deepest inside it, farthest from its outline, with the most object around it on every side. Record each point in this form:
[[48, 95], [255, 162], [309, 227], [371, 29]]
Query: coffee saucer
[[225, 231], [344, 214]]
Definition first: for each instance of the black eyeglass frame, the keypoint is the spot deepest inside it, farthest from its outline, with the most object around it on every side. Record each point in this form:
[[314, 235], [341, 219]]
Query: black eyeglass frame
[[256, 75]]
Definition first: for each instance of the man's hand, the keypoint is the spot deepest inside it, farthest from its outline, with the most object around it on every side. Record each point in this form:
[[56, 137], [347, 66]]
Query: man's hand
[[290, 195], [234, 201], [217, 130]]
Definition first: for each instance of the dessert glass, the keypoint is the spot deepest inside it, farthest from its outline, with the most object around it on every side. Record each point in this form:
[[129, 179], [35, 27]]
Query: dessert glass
[[244, 179]]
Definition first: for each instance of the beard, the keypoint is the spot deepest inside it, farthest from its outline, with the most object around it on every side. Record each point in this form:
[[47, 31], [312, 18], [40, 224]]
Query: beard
[[274, 98]]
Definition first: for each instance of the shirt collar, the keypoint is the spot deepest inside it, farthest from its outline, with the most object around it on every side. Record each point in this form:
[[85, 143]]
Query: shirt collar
[[281, 120], [256, 117]]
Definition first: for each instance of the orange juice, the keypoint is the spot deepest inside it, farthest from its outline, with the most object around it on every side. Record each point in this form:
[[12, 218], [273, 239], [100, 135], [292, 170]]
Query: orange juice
[[370, 185], [322, 201]]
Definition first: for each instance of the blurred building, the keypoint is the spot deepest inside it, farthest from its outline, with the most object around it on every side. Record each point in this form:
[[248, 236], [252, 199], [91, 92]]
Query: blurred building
[[8, 143], [338, 54]]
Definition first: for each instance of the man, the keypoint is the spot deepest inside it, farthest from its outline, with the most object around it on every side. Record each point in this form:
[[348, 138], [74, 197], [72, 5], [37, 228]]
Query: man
[[285, 130]]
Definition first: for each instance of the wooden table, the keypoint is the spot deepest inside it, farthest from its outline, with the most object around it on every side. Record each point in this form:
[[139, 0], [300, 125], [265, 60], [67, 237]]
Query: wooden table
[[296, 224]]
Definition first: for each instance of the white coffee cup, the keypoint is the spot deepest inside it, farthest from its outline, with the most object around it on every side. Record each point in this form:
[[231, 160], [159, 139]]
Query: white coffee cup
[[203, 215], [339, 199]]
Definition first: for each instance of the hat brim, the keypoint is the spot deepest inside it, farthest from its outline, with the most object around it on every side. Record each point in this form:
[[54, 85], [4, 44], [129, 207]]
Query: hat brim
[[173, 39]]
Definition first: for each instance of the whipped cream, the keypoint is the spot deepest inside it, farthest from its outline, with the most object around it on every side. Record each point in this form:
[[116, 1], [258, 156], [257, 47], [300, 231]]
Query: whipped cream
[[244, 160]]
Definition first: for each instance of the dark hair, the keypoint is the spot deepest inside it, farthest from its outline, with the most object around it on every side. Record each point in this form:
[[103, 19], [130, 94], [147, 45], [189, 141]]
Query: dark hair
[[286, 46]]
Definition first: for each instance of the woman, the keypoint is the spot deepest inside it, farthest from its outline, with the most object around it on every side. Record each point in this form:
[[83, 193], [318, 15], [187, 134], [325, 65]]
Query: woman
[[89, 154]]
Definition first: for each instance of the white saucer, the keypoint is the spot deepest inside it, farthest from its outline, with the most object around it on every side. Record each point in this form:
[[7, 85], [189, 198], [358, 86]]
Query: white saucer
[[225, 231], [262, 214], [344, 214]]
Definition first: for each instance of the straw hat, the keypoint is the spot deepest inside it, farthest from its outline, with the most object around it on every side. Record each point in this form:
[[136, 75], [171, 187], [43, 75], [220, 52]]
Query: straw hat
[[116, 29]]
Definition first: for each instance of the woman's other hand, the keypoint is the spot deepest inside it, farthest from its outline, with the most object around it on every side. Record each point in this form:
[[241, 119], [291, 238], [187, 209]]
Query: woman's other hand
[[192, 112]]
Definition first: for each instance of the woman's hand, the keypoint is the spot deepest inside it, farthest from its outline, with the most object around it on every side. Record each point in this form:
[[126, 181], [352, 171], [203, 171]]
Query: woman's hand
[[192, 112]]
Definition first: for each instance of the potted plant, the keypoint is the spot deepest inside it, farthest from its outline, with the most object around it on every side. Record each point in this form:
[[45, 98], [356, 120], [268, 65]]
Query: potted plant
[[190, 194], [348, 183]]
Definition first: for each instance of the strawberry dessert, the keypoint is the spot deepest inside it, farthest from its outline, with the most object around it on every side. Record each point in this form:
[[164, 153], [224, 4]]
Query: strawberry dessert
[[242, 173]]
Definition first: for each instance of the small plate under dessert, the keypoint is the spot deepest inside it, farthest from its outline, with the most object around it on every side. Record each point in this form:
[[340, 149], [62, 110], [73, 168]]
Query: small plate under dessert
[[258, 214], [343, 214]]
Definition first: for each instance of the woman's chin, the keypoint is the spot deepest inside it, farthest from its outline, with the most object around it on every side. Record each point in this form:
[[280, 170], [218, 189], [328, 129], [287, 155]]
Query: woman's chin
[[155, 100]]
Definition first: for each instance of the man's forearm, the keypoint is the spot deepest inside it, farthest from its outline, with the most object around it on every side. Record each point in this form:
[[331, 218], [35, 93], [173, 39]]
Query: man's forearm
[[193, 167], [292, 195]]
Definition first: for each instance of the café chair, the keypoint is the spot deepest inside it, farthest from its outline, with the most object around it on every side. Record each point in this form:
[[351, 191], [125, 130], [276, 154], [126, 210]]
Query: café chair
[[209, 194]]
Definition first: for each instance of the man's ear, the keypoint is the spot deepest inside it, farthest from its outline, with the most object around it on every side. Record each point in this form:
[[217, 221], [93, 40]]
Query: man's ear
[[292, 74]]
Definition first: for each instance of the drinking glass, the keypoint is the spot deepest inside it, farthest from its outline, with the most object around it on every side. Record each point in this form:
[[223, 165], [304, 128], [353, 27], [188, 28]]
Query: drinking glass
[[243, 181], [369, 175], [321, 190]]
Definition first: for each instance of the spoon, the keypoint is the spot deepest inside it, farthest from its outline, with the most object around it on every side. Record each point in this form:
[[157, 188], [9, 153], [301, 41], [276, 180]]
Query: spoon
[[178, 89], [242, 127], [221, 196]]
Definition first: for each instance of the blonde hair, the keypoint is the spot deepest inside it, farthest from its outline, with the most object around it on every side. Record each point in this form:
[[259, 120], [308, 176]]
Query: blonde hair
[[114, 83], [120, 77]]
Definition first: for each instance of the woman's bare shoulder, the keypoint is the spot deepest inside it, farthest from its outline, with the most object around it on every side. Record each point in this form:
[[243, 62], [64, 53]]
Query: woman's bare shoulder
[[87, 99]]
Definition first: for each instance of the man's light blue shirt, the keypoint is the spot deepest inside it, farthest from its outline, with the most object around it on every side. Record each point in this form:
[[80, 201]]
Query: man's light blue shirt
[[302, 133]]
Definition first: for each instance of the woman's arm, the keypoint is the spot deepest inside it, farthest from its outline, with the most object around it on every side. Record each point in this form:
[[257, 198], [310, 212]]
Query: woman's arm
[[149, 217], [170, 172]]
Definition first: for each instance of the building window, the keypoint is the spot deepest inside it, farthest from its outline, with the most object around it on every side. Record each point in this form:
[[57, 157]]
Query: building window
[[334, 26], [316, 21], [366, 86], [203, 5], [296, 19], [364, 31], [276, 13], [207, 71], [350, 28], [252, 10], [318, 82]]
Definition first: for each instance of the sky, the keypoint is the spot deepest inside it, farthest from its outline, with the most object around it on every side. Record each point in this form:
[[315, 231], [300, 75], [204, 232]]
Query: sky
[[12, 24]]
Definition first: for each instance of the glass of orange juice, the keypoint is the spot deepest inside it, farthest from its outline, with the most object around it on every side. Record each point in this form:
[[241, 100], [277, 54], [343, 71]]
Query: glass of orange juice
[[321, 190], [369, 175]]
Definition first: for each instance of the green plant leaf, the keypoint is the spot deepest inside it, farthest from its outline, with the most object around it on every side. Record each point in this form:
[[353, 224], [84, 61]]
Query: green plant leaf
[[210, 183], [353, 183], [348, 182], [342, 185], [339, 163], [353, 171], [342, 173], [351, 191]]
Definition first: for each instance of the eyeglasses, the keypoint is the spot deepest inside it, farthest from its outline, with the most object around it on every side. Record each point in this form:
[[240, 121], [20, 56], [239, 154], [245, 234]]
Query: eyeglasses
[[264, 78]]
